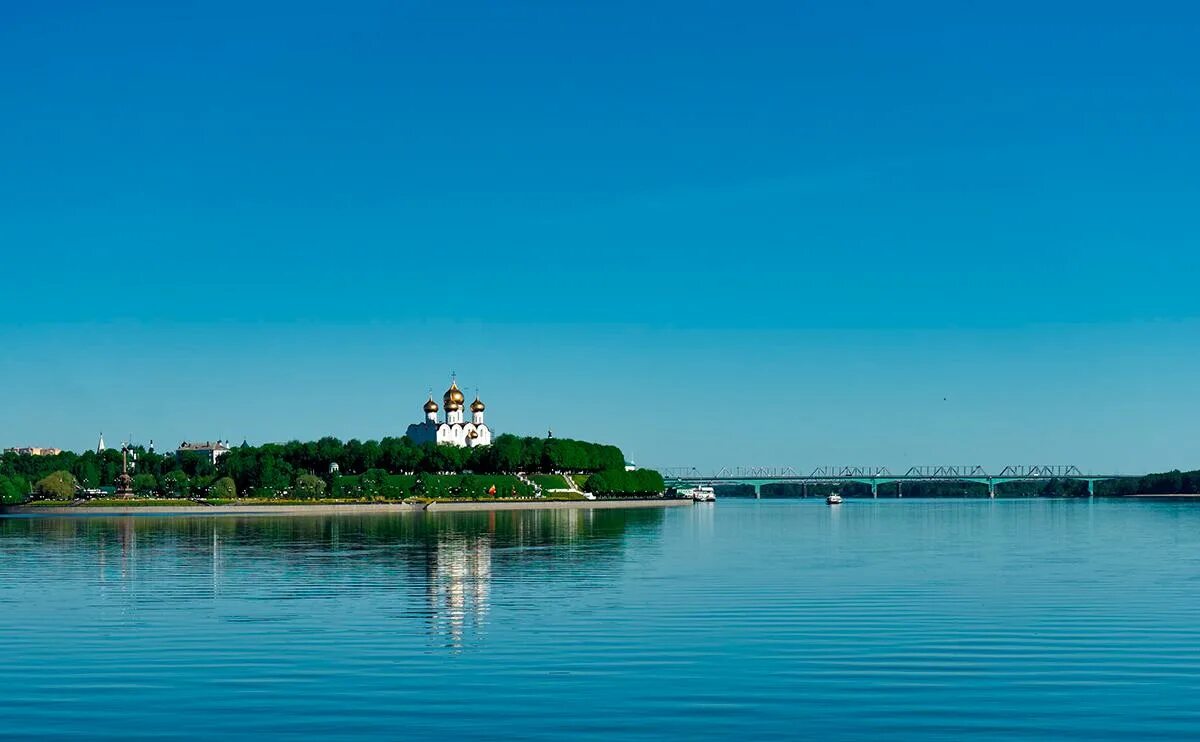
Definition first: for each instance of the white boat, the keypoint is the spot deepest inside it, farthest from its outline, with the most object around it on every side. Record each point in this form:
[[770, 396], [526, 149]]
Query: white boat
[[834, 499], [702, 493]]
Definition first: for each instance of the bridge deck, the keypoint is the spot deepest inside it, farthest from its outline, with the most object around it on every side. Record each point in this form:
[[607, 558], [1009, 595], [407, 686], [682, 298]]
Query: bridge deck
[[700, 479]]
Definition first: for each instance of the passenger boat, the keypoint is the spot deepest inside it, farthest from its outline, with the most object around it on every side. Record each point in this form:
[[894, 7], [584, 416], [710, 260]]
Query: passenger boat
[[702, 493], [834, 499]]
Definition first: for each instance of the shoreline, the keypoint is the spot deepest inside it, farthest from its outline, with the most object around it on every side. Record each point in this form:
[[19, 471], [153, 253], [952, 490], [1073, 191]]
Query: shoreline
[[337, 509]]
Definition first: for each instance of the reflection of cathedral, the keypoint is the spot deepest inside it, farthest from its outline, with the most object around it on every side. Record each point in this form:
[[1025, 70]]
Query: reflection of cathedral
[[454, 430], [459, 573]]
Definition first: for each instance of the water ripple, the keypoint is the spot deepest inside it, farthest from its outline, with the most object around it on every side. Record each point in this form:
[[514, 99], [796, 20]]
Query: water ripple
[[765, 620]]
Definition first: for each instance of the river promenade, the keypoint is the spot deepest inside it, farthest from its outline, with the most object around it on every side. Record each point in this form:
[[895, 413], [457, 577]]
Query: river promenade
[[341, 508]]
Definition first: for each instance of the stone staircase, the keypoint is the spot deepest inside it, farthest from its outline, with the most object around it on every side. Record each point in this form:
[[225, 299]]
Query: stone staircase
[[571, 486], [537, 488]]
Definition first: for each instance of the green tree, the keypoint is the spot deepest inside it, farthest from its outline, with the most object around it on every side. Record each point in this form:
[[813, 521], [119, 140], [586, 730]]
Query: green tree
[[109, 463], [505, 454], [400, 455], [176, 484], [85, 470], [353, 455], [153, 463], [372, 483], [144, 484], [621, 482], [223, 489], [239, 464], [308, 487], [371, 455], [531, 454], [13, 490], [434, 458], [328, 451], [59, 485], [274, 474]]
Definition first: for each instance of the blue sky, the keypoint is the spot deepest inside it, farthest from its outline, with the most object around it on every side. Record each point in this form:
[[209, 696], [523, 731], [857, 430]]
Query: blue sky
[[713, 233]]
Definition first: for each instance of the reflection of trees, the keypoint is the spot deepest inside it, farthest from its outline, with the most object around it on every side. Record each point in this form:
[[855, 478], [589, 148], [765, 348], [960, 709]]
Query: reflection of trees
[[278, 537], [444, 566]]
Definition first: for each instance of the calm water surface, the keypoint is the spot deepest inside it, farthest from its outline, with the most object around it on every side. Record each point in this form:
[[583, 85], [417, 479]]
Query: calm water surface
[[767, 619]]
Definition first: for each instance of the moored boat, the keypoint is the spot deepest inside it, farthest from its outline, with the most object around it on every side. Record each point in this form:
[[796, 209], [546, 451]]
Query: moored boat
[[701, 493]]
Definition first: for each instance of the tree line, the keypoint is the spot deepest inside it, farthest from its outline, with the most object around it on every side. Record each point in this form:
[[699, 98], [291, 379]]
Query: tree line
[[621, 482], [61, 475], [274, 465], [295, 466], [1165, 483]]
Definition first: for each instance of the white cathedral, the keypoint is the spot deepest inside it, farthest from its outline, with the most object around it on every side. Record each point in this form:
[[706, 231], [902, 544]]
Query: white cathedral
[[453, 431]]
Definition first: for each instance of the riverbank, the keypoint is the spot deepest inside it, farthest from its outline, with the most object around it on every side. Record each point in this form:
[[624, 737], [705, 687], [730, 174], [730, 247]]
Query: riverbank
[[339, 509]]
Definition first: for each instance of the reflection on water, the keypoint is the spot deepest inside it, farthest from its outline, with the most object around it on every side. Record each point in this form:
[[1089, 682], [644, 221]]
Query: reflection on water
[[459, 570], [449, 558], [759, 620]]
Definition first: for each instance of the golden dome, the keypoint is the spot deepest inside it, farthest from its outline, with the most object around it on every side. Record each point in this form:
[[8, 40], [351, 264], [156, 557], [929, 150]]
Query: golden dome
[[431, 406], [453, 396], [477, 406], [473, 434]]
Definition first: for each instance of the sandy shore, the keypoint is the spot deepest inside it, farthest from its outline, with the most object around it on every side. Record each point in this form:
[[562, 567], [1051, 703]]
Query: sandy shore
[[362, 509]]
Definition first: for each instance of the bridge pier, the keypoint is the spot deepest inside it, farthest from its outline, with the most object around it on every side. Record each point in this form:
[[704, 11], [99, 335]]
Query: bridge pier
[[875, 476]]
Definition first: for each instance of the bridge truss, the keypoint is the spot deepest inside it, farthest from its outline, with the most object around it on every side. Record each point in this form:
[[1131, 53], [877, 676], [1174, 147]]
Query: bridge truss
[[757, 476]]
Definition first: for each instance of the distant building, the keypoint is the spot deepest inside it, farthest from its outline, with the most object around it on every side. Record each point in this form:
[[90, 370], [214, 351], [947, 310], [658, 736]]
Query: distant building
[[33, 451], [454, 430], [212, 449]]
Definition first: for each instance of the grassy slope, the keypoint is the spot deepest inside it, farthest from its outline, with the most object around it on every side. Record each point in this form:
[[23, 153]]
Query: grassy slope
[[579, 479], [396, 487]]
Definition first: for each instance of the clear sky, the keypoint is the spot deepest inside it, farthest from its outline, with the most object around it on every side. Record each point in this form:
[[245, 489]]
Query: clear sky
[[712, 233]]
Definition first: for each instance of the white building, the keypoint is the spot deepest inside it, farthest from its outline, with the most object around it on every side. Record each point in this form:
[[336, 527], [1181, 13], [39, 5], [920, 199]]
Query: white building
[[211, 449], [33, 451], [454, 430]]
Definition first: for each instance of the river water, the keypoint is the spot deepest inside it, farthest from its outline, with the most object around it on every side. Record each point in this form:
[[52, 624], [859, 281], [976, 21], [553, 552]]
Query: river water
[[769, 619]]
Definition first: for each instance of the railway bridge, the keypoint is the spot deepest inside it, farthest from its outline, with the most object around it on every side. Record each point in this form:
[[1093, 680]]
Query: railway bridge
[[757, 476]]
